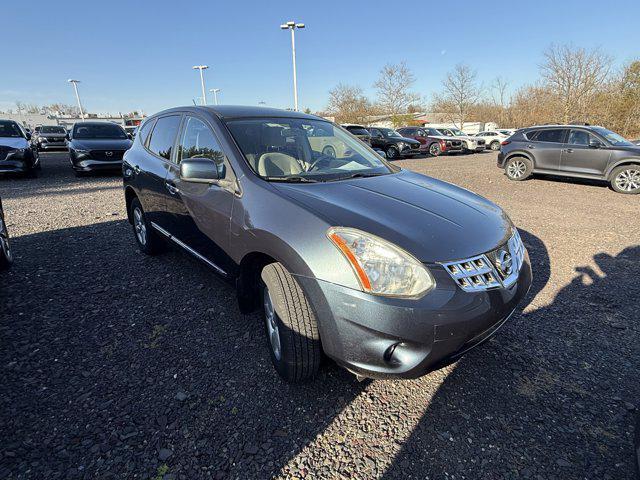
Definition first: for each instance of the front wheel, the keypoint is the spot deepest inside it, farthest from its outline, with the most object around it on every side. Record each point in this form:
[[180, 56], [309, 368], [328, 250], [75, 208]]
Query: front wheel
[[392, 153], [626, 179], [518, 168], [435, 150], [290, 324], [6, 257]]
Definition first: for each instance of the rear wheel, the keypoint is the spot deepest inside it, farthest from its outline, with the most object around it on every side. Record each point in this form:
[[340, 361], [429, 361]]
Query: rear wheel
[[495, 146], [518, 168], [148, 240], [626, 179], [6, 257], [290, 325], [434, 149]]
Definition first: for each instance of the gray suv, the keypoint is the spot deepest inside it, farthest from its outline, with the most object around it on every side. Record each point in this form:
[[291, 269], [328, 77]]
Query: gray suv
[[388, 272], [573, 151]]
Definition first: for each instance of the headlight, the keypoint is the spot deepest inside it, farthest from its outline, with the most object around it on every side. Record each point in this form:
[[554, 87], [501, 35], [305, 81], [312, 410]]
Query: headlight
[[81, 153], [401, 145], [16, 152], [381, 267]]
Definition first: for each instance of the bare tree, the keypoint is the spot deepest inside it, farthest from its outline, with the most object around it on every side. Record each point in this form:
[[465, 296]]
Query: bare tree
[[574, 75], [500, 100], [461, 92], [394, 89], [348, 104]]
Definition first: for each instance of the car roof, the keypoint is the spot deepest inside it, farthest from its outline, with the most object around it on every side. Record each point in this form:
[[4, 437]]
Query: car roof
[[227, 112], [559, 125]]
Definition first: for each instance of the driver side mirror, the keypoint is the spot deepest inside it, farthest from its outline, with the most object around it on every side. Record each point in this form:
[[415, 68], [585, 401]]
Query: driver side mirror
[[129, 136], [595, 144], [199, 170], [28, 135]]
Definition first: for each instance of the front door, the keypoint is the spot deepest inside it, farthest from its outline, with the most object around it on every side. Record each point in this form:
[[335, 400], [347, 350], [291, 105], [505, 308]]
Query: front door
[[377, 139], [584, 154], [201, 213], [546, 148]]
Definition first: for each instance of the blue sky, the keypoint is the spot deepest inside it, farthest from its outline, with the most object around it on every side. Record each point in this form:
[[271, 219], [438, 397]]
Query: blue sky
[[138, 54]]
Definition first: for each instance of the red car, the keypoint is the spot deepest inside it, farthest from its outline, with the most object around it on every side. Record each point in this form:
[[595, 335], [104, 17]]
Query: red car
[[432, 141]]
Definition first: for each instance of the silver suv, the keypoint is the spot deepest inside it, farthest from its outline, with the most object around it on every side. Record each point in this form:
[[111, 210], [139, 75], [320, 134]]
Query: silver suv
[[572, 151]]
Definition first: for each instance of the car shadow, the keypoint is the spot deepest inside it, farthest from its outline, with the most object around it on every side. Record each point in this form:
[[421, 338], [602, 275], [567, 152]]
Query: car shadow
[[551, 395], [120, 364]]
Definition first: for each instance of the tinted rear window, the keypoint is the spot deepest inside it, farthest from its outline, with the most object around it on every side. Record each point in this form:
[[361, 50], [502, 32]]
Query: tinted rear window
[[164, 136], [551, 135], [358, 131]]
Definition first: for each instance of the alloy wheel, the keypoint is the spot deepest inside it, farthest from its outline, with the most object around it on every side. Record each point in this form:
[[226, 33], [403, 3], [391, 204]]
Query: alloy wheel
[[434, 149], [516, 169], [271, 320], [4, 242], [139, 225], [628, 180], [495, 146]]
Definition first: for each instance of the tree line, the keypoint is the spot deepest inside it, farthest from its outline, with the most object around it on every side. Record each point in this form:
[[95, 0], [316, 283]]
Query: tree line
[[574, 85]]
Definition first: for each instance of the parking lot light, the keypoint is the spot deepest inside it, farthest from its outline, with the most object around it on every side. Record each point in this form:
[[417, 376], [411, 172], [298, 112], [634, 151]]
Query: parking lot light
[[75, 88], [291, 25], [215, 94], [204, 94]]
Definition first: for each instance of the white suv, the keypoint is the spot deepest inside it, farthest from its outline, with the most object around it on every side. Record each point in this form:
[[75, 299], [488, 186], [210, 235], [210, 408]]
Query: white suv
[[492, 138]]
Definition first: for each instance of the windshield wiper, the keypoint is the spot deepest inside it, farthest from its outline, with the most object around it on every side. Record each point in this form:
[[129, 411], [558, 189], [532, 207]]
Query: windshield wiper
[[291, 179], [357, 175]]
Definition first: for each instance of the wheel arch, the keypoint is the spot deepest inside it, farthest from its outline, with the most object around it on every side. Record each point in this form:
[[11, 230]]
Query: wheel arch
[[520, 154], [129, 195], [621, 163]]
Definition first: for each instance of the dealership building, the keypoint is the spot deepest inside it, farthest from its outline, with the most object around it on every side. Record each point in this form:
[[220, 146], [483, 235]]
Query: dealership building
[[32, 120]]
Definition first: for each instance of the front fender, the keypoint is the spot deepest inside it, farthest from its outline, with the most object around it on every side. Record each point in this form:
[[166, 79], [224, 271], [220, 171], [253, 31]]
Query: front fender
[[623, 161]]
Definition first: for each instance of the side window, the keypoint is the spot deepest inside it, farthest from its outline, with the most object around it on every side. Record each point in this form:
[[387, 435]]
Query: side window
[[143, 133], [551, 136], [375, 132], [531, 135], [198, 141], [164, 136], [579, 137]]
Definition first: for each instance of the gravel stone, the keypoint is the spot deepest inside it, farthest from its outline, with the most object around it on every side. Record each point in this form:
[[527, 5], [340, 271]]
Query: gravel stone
[[96, 339]]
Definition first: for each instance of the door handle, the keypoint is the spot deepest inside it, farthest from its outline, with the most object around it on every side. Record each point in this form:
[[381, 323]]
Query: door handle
[[136, 169], [568, 150], [172, 188], [530, 146]]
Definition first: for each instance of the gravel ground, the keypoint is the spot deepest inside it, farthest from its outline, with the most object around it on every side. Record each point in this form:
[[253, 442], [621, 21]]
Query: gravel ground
[[117, 365]]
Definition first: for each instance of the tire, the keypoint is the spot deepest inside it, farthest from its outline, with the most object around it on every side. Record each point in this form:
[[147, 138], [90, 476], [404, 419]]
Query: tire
[[148, 240], [290, 325], [392, 153], [435, 150], [329, 151], [495, 146], [6, 257], [518, 168], [626, 179]]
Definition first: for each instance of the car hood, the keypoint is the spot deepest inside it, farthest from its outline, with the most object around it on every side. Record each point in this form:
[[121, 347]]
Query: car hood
[[101, 144], [13, 142], [433, 220], [444, 137], [635, 149]]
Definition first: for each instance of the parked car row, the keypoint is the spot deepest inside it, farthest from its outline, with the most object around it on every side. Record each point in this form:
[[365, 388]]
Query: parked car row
[[17, 154]]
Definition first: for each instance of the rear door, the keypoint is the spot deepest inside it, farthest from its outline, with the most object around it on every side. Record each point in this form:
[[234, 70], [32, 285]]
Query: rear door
[[151, 168], [579, 156], [377, 139], [546, 147], [200, 214]]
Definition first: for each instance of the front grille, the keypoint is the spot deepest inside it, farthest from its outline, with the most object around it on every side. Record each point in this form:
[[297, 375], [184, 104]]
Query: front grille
[[456, 143], [481, 142], [103, 155], [495, 269]]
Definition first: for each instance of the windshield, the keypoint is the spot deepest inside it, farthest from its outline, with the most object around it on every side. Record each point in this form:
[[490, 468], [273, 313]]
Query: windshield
[[9, 129], [301, 150], [389, 132], [458, 133], [53, 130], [98, 130], [612, 137]]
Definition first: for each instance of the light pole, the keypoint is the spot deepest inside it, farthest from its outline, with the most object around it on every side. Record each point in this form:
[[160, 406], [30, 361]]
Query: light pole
[[215, 95], [204, 94], [75, 88], [290, 25]]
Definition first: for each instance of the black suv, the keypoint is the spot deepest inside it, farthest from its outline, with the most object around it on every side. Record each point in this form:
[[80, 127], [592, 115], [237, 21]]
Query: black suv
[[393, 144], [359, 131], [97, 146], [572, 151]]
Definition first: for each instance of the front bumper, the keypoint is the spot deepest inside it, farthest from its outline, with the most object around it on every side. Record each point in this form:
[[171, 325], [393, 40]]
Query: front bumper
[[52, 146], [89, 165], [21, 164], [382, 337]]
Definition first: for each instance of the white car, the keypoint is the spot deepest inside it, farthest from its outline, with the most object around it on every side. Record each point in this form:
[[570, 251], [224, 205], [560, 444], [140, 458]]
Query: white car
[[470, 144], [493, 138]]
